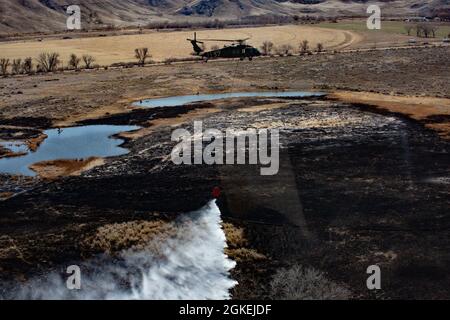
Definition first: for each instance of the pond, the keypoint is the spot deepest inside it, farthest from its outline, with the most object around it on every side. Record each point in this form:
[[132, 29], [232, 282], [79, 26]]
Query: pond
[[67, 143], [180, 100], [96, 141]]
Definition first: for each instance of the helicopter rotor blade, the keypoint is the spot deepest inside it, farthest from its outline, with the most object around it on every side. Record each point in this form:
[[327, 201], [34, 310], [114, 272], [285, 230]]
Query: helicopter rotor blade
[[224, 40], [195, 40], [227, 40]]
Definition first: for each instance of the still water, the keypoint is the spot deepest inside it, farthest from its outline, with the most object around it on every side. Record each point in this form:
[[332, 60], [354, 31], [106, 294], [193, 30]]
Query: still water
[[69, 143], [180, 100]]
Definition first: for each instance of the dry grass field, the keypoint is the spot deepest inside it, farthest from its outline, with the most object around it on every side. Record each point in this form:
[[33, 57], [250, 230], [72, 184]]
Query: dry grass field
[[114, 49], [391, 32]]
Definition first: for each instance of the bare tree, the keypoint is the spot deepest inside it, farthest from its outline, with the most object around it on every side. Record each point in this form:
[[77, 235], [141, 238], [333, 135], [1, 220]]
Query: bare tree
[[433, 29], [27, 65], [48, 61], [88, 61], [16, 66], [53, 61], [304, 46], [418, 30], [285, 49], [141, 54], [267, 48], [408, 28], [319, 47], [74, 61], [426, 30], [4, 64]]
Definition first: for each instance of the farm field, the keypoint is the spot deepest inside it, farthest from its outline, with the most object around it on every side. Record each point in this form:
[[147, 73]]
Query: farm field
[[392, 33], [387, 27], [118, 47], [172, 44]]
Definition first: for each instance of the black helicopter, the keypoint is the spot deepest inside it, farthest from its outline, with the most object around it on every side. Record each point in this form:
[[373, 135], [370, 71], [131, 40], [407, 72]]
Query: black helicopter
[[238, 49]]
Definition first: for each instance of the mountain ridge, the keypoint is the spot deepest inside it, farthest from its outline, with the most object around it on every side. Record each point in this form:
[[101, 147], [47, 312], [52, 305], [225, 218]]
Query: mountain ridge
[[49, 15]]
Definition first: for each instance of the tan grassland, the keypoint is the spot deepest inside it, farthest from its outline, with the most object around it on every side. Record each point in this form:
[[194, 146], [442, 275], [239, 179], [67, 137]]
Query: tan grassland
[[162, 45]]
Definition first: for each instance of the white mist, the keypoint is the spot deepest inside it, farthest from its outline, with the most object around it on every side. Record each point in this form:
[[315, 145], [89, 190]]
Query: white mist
[[192, 265]]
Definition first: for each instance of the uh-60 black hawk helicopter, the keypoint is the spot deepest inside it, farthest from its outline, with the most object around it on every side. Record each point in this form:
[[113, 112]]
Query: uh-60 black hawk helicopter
[[237, 49]]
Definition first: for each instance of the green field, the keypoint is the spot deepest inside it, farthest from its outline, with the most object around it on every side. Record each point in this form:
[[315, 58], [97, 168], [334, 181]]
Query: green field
[[392, 27]]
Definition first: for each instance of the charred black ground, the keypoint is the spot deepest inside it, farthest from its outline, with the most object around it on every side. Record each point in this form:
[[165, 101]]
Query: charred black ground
[[355, 188]]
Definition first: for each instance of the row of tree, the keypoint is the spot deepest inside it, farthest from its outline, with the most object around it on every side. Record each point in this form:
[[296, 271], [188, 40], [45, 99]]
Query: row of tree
[[50, 61], [265, 19], [45, 62], [424, 29], [269, 48]]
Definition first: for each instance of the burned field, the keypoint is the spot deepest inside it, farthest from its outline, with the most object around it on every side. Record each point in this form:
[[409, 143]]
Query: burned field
[[355, 188], [363, 176]]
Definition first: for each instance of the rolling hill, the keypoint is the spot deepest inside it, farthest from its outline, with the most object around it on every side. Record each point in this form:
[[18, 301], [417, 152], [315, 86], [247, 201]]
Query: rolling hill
[[49, 15]]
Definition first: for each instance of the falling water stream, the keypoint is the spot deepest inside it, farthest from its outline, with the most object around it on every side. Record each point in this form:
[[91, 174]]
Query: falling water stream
[[190, 264]]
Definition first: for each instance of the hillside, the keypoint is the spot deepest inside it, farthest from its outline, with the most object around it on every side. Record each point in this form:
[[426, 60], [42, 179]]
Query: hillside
[[49, 15]]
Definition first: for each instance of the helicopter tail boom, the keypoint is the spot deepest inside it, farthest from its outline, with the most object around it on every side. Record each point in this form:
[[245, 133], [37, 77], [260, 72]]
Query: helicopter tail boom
[[195, 45]]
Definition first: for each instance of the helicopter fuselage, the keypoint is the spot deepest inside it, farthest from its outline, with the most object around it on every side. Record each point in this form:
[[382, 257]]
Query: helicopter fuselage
[[241, 51], [238, 49]]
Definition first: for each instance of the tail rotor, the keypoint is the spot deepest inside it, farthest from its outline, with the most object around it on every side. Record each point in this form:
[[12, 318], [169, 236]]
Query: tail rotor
[[194, 42]]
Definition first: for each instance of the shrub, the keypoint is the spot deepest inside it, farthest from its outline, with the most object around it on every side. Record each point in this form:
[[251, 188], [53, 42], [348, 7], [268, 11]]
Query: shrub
[[141, 54], [27, 66], [74, 61], [304, 46], [319, 47], [237, 245], [285, 49], [4, 64], [267, 48], [16, 66], [88, 61], [48, 61], [300, 283], [113, 238]]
